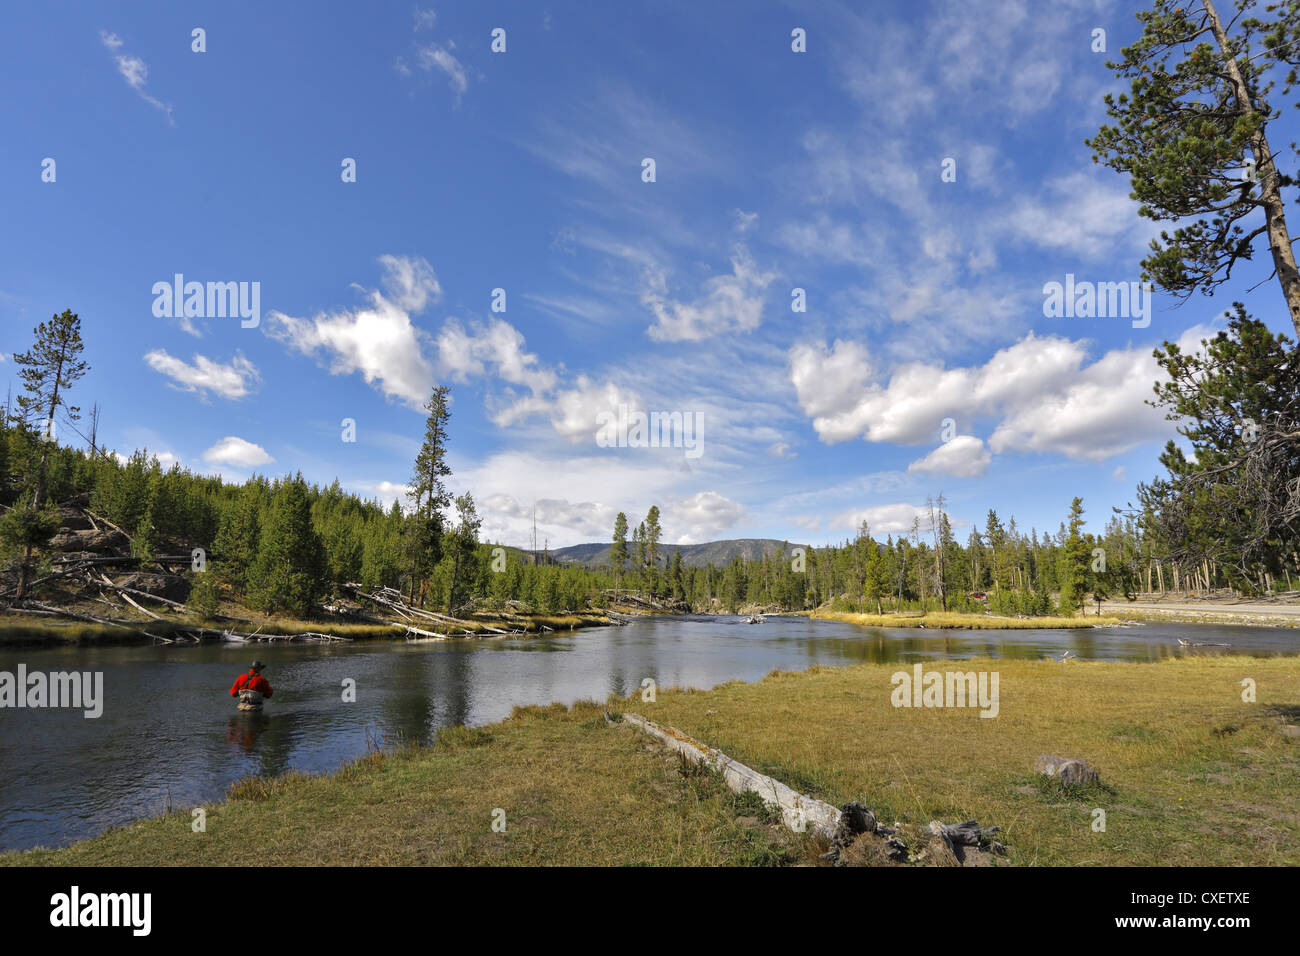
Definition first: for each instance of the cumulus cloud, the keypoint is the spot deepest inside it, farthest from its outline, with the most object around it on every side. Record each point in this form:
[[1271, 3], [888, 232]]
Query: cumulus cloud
[[234, 379], [495, 346], [730, 303], [237, 453], [575, 411], [1047, 397], [883, 519], [700, 517], [588, 519], [963, 457], [379, 341]]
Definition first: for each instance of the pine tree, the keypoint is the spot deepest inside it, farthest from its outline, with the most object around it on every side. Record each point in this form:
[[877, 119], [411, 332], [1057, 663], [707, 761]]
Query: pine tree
[[1184, 130], [236, 544], [425, 527], [618, 550], [47, 370], [462, 544], [288, 572], [1078, 560]]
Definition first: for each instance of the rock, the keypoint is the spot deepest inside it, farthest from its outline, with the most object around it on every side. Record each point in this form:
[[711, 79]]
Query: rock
[[1071, 771], [96, 542], [1291, 730], [74, 519]]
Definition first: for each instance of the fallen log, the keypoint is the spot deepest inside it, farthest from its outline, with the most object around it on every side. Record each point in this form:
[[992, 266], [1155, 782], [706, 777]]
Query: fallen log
[[123, 589], [798, 812], [103, 622], [428, 635]]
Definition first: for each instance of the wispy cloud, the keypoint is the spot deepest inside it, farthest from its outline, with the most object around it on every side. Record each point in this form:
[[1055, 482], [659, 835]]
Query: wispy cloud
[[134, 71], [435, 57]]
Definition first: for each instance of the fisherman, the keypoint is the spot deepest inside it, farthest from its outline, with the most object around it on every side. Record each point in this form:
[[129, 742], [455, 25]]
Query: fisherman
[[251, 688]]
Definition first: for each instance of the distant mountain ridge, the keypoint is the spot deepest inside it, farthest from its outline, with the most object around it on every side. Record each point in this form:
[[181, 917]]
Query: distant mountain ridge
[[717, 553]]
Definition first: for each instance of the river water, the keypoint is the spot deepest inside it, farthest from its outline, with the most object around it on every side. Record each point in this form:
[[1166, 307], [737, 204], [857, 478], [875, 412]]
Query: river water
[[169, 734]]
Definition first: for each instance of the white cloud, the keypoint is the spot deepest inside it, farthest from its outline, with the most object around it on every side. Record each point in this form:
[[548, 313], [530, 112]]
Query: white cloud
[[497, 344], [575, 410], [730, 303], [583, 519], [700, 517], [233, 380], [1080, 214], [883, 519], [1046, 396], [237, 453], [380, 341], [134, 71], [963, 457]]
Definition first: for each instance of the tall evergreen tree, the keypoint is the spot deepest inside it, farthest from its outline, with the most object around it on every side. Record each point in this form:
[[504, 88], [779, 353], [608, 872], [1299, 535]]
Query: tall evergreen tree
[[426, 524], [47, 370], [618, 550]]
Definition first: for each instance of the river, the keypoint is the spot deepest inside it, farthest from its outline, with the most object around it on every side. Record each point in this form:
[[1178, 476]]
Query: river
[[169, 734]]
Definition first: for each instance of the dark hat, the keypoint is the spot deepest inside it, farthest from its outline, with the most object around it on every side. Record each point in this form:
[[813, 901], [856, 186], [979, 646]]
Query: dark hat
[[257, 665]]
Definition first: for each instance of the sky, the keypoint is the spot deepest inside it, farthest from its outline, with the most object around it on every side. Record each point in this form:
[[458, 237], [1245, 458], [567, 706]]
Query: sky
[[834, 270]]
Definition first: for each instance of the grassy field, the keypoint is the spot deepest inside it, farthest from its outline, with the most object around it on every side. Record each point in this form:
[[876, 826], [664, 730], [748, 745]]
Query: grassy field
[[1190, 774], [939, 620]]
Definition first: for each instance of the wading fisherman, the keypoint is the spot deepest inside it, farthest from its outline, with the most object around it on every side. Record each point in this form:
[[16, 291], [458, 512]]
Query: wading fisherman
[[251, 688]]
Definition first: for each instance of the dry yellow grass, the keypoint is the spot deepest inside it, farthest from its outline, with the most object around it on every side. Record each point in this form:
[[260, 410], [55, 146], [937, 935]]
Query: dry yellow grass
[[1191, 774], [940, 620]]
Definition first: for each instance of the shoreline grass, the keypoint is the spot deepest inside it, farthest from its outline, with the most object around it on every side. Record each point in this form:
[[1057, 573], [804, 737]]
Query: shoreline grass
[[954, 620], [1190, 775], [30, 630]]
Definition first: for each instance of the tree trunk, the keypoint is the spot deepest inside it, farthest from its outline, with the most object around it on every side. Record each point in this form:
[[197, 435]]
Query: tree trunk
[[1270, 192]]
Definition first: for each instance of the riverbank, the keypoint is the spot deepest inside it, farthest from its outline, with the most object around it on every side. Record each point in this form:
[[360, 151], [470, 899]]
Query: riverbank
[[1246, 612], [1190, 775], [18, 630], [976, 622]]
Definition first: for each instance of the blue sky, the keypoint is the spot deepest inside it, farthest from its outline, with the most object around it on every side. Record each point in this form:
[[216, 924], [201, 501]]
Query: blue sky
[[523, 170]]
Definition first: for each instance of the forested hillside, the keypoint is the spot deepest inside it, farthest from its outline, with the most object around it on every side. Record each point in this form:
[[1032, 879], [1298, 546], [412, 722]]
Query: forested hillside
[[280, 544]]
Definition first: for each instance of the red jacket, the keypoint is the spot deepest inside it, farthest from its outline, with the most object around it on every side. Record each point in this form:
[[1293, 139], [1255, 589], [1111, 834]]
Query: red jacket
[[251, 681]]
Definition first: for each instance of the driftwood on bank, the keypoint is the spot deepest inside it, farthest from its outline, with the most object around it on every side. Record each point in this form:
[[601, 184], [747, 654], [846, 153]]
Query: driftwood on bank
[[125, 591], [236, 637], [391, 599], [798, 812]]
